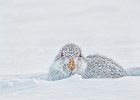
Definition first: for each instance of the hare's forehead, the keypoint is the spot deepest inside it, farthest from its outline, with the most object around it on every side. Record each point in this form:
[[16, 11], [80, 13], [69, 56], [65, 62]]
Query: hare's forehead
[[71, 50]]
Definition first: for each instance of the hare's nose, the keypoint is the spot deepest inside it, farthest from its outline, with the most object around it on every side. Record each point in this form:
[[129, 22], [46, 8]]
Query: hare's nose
[[71, 64]]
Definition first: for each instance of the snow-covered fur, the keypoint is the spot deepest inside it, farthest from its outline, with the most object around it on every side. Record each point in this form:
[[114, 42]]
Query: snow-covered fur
[[101, 67], [93, 66]]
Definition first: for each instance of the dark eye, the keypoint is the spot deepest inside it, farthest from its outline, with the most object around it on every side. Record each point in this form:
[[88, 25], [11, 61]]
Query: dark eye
[[62, 54], [80, 55]]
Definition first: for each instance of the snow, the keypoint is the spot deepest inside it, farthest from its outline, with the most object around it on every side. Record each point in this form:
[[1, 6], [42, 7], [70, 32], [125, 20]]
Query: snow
[[33, 31], [133, 71], [75, 88]]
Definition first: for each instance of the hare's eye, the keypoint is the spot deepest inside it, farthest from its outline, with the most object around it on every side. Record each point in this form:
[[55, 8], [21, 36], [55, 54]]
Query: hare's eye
[[80, 55], [62, 54]]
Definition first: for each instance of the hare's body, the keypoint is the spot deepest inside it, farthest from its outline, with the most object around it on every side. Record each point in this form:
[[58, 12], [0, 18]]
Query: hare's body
[[70, 61]]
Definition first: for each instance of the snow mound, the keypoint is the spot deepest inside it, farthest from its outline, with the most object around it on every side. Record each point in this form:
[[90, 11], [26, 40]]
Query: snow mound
[[74, 77], [19, 82], [73, 88], [133, 71]]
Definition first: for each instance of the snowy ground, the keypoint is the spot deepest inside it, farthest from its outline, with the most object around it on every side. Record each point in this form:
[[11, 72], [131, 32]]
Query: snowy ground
[[33, 31], [74, 88]]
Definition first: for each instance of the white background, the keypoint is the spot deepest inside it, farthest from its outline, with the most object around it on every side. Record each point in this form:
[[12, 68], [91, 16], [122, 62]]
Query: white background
[[33, 31]]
